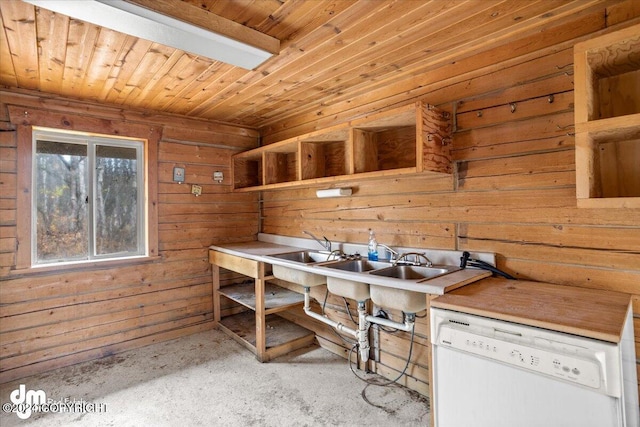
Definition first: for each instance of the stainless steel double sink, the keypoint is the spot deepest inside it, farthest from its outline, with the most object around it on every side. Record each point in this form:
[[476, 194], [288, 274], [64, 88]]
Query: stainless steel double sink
[[355, 285]]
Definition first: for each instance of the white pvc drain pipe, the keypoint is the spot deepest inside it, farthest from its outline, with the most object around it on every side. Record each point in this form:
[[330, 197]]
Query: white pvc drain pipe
[[364, 321]]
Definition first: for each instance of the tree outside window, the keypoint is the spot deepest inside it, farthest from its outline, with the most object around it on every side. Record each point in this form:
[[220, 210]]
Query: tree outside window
[[88, 198]]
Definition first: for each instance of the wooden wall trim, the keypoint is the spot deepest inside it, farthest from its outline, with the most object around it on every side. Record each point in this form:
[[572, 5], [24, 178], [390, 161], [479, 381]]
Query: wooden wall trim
[[29, 116], [23, 196], [151, 174], [243, 135]]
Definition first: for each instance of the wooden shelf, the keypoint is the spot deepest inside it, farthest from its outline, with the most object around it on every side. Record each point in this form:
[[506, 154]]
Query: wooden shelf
[[281, 338], [276, 298], [410, 139], [330, 180], [260, 330], [607, 120], [320, 159], [247, 170]]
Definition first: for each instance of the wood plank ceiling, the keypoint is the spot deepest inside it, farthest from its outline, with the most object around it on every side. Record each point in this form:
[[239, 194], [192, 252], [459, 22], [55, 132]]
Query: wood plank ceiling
[[331, 51]]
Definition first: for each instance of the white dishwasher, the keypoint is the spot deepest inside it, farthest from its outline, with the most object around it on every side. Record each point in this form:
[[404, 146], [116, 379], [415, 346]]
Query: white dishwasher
[[495, 373]]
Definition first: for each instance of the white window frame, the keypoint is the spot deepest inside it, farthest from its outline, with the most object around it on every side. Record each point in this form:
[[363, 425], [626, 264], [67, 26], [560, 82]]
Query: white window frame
[[91, 140]]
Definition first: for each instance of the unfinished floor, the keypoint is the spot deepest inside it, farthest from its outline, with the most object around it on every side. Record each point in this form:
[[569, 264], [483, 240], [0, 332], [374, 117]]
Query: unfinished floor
[[210, 380]]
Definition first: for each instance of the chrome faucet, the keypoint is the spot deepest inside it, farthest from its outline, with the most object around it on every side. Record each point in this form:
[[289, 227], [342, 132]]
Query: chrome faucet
[[326, 244], [336, 254], [416, 260], [394, 254]]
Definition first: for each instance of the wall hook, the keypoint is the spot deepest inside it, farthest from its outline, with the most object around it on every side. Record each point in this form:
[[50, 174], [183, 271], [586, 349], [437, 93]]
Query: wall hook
[[551, 99], [479, 114], [560, 67], [567, 127], [513, 107]]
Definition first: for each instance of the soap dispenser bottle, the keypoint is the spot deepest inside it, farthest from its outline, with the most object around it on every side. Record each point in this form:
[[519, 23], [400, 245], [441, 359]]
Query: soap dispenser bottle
[[373, 247]]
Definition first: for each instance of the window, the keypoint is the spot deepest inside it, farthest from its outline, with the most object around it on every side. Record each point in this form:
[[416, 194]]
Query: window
[[88, 197]]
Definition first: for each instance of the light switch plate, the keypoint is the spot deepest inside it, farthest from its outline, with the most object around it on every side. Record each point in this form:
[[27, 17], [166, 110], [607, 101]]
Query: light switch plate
[[178, 175]]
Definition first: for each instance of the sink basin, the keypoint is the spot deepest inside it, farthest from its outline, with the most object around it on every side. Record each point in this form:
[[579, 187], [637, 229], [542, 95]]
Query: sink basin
[[358, 265], [304, 257], [414, 272], [299, 277], [348, 288], [399, 299]]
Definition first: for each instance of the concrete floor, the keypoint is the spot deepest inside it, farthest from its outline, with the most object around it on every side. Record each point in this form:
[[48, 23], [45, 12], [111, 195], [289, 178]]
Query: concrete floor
[[210, 380]]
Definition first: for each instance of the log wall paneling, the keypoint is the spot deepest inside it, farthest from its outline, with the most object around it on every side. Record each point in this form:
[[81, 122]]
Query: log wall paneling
[[509, 89], [57, 318], [513, 192]]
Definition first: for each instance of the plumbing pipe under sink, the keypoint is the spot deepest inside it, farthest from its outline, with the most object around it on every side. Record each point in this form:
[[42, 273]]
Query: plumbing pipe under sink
[[364, 321]]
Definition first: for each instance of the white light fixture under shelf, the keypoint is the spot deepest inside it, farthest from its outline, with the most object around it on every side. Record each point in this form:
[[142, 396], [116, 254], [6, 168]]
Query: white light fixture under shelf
[[138, 21], [333, 192]]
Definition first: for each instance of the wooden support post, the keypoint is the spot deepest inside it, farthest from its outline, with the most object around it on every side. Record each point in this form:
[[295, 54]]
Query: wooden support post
[[261, 324], [215, 276]]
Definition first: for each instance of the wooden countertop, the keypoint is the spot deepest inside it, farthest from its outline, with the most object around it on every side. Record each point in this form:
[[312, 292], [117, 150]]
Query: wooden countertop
[[254, 250], [592, 313]]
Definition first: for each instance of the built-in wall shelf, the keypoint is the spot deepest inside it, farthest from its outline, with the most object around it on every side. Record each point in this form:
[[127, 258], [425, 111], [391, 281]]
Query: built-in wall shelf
[[607, 120], [409, 139]]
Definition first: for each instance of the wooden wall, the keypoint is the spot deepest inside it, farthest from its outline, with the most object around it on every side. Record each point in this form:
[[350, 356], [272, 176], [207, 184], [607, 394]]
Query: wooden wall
[[513, 192], [54, 319]]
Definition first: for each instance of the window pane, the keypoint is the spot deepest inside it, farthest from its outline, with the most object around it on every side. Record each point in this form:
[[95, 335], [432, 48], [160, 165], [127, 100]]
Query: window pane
[[61, 201], [116, 196]]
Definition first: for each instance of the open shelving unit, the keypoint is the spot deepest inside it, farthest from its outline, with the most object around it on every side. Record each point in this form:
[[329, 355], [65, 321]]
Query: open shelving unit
[[409, 139], [607, 120], [259, 328]]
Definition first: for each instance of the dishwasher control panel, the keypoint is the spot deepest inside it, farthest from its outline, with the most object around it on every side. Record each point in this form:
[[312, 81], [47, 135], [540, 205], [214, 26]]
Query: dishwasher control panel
[[557, 364]]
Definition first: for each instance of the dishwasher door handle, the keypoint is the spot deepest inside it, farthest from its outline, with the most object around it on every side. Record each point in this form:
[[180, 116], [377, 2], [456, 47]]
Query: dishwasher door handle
[[507, 332]]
